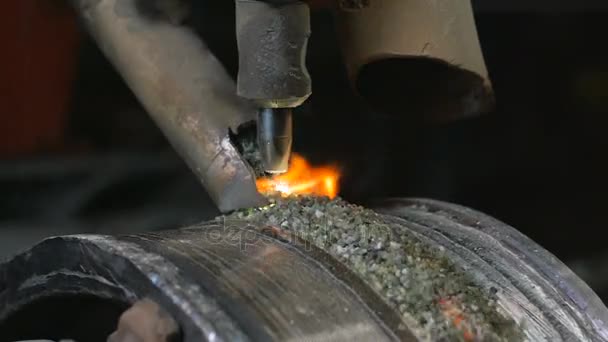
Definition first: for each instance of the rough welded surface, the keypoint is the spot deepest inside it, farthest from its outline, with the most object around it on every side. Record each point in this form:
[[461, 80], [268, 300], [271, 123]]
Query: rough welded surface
[[434, 298]]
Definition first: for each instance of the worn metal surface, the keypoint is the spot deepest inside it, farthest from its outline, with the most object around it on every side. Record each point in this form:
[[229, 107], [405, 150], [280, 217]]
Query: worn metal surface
[[241, 279], [220, 283], [109, 268], [547, 299], [183, 87], [272, 39]]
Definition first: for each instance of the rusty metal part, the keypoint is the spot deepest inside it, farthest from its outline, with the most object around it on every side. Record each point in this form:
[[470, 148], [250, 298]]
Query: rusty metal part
[[183, 87], [145, 321], [407, 56]]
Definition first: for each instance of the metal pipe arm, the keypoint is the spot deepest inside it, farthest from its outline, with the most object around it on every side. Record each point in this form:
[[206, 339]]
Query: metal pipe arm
[[183, 87]]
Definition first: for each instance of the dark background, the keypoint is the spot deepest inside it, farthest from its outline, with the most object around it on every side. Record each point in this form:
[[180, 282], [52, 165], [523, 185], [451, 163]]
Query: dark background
[[78, 153]]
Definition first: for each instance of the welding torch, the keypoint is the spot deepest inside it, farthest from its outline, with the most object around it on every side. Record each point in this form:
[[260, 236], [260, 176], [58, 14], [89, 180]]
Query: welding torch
[[187, 92], [272, 37]]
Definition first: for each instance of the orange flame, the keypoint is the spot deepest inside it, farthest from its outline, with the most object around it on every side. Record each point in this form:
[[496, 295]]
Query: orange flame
[[302, 179]]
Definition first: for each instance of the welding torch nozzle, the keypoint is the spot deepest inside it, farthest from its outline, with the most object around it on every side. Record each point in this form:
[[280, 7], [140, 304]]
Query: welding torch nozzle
[[275, 138]]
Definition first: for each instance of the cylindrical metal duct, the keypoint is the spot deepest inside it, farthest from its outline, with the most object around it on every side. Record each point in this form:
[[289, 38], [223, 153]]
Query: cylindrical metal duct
[[416, 57], [413, 270]]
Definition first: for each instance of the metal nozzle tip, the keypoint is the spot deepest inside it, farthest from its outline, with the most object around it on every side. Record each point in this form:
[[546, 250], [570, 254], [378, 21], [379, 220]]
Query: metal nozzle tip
[[275, 138]]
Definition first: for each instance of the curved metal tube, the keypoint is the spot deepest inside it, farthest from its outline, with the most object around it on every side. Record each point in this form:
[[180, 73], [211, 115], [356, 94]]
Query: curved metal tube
[[183, 87], [418, 56]]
